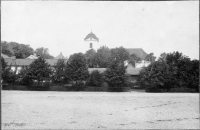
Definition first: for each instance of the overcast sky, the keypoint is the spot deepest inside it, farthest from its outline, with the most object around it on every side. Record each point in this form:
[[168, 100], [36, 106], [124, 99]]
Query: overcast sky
[[62, 26]]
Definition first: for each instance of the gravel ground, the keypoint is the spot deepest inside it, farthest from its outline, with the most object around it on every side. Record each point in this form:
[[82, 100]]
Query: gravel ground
[[99, 110]]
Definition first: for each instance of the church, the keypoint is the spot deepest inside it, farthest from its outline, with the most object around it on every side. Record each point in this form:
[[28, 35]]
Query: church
[[92, 42]]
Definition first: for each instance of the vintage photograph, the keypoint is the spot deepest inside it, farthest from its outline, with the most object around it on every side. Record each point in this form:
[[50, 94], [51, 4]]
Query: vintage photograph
[[99, 65]]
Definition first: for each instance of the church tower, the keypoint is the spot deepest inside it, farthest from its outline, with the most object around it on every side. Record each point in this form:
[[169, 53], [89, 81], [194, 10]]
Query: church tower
[[92, 41]]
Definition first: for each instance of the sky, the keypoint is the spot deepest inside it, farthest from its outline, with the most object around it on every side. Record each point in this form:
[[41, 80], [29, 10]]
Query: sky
[[61, 26]]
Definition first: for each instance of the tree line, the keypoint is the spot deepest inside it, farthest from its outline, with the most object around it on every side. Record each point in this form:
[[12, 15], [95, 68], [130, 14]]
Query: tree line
[[22, 51], [172, 72]]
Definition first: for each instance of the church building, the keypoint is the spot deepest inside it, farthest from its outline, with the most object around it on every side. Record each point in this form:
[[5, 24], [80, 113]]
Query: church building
[[92, 41]]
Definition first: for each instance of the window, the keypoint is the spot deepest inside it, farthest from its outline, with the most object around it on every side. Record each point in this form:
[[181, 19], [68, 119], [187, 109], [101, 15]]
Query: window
[[90, 45]]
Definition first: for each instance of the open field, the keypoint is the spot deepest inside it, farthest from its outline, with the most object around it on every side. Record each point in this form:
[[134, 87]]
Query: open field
[[99, 110]]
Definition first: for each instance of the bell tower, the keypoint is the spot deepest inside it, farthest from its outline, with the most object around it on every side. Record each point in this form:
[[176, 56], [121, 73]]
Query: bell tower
[[92, 42]]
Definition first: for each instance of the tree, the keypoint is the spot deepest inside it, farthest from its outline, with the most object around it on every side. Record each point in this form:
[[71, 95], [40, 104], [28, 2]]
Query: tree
[[16, 49], [7, 75], [39, 70], [115, 74], [157, 78], [90, 55], [150, 57], [44, 52], [120, 55], [95, 79], [59, 73], [176, 73], [162, 57], [134, 59], [76, 69], [101, 59], [6, 49]]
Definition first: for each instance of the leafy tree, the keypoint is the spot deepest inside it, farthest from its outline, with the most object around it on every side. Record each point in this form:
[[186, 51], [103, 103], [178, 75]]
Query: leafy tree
[[39, 70], [158, 78], [6, 49], [162, 57], [95, 79], [176, 73], [120, 55], [76, 69], [150, 57], [90, 55], [24, 78], [16, 49], [44, 52], [134, 59], [102, 57], [59, 73], [8, 76], [115, 74]]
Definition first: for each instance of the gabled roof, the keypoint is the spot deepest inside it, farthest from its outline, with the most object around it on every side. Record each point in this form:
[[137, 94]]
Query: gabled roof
[[60, 56], [32, 57], [27, 62], [23, 62], [91, 35], [138, 51], [130, 70], [133, 71], [4, 56], [101, 70], [10, 61]]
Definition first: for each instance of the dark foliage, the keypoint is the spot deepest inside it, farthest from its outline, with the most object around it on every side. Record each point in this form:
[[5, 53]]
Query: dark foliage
[[76, 69], [38, 74], [115, 74], [95, 79], [16, 49], [8, 76], [59, 72], [44, 53], [174, 72]]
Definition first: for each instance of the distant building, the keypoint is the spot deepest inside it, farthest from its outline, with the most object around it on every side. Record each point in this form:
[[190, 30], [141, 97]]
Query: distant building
[[4, 56], [141, 54], [92, 42], [18, 64], [34, 56], [60, 56]]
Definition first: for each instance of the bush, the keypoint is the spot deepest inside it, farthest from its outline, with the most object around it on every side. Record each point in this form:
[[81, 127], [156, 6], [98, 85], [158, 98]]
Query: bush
[[95, 79]]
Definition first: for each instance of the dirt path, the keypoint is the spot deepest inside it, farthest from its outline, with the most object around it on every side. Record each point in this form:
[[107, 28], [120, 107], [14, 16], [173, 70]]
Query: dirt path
[[99, 110]]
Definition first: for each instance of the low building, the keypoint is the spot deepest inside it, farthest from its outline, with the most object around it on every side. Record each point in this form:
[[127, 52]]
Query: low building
[[18, 64]]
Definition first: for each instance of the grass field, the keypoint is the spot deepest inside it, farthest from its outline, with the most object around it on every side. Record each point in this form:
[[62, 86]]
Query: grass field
[[99, 110]]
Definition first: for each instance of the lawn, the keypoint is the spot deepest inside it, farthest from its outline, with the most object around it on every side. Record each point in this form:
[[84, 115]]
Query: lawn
[[99, 110]]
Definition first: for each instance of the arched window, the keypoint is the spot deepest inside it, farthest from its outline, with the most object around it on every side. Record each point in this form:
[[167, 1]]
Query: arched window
[[90, 45]]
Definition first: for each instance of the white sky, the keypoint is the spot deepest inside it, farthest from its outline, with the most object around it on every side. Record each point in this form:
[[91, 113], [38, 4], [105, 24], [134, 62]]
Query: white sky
[[61, 26]]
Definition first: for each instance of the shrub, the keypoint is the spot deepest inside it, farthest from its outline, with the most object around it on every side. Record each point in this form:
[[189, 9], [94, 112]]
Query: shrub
[[95, 79]]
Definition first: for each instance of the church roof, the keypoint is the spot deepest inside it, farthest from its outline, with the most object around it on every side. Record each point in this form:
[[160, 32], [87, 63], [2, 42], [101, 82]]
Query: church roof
[[91, 35], [60, 56], [138, 51], [27, 62]]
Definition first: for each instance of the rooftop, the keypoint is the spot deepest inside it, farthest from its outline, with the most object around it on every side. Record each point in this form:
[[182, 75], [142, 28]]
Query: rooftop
[[91, 35], [138, 51]]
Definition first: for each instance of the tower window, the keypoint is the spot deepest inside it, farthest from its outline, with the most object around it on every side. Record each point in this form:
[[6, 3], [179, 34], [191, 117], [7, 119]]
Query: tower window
[[90, 45]]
